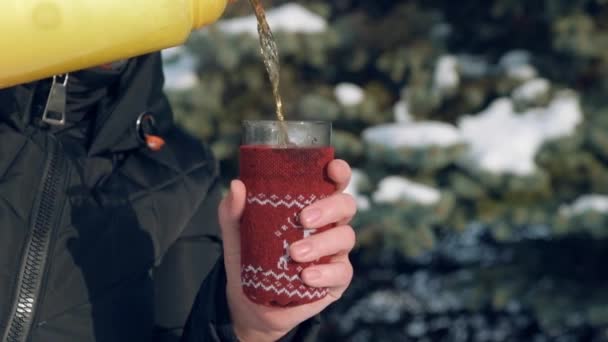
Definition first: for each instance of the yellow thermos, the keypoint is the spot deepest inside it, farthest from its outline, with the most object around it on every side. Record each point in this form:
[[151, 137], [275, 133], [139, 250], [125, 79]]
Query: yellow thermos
[[42, 38]]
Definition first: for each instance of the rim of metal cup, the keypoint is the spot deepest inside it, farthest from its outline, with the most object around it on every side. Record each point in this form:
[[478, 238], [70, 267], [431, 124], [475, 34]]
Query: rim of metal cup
[[325, 141]]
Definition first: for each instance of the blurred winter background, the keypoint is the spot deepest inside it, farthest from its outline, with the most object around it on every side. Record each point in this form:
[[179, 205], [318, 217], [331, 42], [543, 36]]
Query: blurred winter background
[[478, 130]]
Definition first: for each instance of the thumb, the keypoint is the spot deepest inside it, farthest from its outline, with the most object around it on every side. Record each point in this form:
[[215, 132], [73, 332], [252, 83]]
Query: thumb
[[230, 211]]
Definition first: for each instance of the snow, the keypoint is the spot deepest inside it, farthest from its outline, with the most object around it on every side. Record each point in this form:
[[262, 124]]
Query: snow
[[402, 112], [503, 141], [415, 134], [446, 76], [290, 17], [395, 188], [441, 30], [173, 52], [473, 66], [179, 69], [358, 177], [349, 94], [517, 65], [586, 203], [522, 72], [532, 90], [515, 58]]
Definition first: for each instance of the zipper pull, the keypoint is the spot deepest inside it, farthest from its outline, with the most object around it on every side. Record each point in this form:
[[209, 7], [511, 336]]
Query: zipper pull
[[54, 111]]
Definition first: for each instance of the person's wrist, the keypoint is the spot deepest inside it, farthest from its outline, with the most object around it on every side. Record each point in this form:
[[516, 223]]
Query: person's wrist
[[244, 332], [252, 335]]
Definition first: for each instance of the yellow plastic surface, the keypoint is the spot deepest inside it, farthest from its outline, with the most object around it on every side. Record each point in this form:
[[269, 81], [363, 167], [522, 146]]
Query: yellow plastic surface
[[41, 38]]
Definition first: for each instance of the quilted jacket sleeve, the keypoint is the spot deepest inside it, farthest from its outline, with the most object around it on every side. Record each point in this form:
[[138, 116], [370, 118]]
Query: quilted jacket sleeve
[[185, 266]]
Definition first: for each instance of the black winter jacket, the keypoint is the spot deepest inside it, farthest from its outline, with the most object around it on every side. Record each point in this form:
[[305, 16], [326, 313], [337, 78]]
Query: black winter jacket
[[102, 239]]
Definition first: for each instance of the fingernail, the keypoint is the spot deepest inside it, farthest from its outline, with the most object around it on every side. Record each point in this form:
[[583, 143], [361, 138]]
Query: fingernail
[[313, 275], [310, 216], [232, 186], [301, 249]]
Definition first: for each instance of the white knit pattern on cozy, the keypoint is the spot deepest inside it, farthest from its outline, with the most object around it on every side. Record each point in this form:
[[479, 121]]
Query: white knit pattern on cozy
[[270, 280], [289, 201], [285, 279], [294, 223]]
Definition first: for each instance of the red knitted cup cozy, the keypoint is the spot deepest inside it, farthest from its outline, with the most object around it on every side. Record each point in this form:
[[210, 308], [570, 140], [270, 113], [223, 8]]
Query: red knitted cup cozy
[[280, 183]]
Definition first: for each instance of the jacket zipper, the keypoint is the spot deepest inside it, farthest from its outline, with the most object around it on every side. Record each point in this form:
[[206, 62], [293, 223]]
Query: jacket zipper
[[56, 103], [36, 249]]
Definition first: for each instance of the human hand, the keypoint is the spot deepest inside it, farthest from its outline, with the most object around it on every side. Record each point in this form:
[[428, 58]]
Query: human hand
[[254, 322]]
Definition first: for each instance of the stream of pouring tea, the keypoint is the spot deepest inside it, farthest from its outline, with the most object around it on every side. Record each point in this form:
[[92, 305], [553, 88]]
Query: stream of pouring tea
[[270, 54]]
